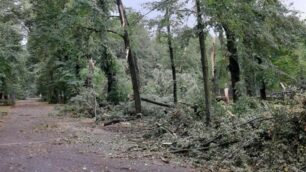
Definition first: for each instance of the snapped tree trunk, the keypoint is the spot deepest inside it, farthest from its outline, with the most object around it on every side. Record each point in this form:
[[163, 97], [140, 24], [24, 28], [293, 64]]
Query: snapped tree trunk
[[233, 60], [130, 57], [204, 61], [171, 54]]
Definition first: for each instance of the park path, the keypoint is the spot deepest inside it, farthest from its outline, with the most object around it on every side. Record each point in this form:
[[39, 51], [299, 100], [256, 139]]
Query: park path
[[34, 140]]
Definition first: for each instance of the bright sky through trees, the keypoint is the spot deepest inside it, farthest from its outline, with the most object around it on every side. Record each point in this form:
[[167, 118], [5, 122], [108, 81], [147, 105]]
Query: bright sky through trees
[[299, 5]]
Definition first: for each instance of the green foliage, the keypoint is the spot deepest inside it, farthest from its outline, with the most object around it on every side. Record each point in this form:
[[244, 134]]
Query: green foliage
[[60, 46], [246, 104], [13, 72], [83, 105], [63, 36]]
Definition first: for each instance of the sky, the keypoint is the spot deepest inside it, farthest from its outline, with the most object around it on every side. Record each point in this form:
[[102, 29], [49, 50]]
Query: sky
[[299, 5]]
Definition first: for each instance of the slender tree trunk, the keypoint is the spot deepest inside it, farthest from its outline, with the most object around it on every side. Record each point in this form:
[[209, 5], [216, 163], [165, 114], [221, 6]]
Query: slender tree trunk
[[171, 54], [111, 80], [91, 71], [263, 94], [77, 70], [214, 68], [249, 81], [204, 61], [130, 57], [249, 88], [111, 84], [109, 69], [226, 95], [233, 60]]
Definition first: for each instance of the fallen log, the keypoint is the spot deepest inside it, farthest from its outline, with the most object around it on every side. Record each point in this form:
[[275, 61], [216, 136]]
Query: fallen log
[[156, 103], [259, 119], [195, 107], [112, 122], [116, 121]]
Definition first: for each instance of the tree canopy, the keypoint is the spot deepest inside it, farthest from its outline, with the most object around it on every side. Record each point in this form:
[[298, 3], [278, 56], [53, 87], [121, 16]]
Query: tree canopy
[[99, 56]]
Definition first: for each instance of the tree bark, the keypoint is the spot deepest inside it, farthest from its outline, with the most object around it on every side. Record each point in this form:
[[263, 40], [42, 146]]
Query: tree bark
[[233, 60], [214, 68], [249, 84], [110, 82], [263, 94], [90, 75], [130, 57], [156, 103], [108, 66], [204, 61], [171, 54]]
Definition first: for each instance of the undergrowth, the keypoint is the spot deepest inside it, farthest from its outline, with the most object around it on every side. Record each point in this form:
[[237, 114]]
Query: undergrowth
[[258, 137], [250, 135]]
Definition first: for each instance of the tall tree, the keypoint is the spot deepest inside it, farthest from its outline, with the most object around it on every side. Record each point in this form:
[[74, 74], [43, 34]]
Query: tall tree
[[12, 53], [204, 60], [130, 56], [171, 52], [233, 59]]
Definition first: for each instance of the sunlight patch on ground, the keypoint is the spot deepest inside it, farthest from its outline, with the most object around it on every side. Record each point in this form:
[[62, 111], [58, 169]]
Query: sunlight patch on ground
[[4, 110]]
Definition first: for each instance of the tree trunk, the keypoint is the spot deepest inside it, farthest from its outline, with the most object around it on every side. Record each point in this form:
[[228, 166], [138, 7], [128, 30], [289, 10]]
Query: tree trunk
[[90, 75], [130, 57], [233, 60], [249, 84], [110, 82], [77, 71], [171, 54], [204, 61], [214, 68], [263, 94]]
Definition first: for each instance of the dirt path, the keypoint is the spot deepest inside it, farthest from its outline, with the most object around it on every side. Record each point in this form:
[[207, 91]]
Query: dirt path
[[32, 140]]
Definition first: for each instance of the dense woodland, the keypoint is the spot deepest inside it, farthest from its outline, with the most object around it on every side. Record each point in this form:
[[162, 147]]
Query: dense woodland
[[222, 80]]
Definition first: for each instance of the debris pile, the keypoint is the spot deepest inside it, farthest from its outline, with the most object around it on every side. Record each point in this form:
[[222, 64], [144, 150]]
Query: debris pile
[[266, 138]]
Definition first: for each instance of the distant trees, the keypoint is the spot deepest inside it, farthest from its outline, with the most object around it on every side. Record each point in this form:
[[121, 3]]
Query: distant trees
[[172, 15], [255, 31], [12, 54], [64, 36], [256, 44]]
